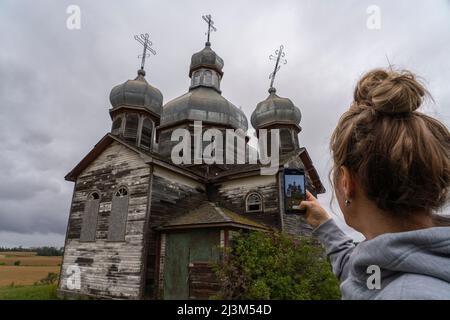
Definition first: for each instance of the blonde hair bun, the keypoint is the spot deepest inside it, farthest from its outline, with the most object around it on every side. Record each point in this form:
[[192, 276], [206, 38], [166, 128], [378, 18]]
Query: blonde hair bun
[[389, 91]]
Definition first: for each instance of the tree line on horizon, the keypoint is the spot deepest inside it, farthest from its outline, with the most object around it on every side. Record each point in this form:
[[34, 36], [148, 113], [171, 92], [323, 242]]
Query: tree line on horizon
[[40, 251]]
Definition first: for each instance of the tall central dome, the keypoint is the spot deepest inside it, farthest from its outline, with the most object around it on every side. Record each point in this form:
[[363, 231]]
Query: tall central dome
[[204, 101]]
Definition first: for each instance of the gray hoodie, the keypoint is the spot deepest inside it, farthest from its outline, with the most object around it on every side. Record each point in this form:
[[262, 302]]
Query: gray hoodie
[[413, 264]]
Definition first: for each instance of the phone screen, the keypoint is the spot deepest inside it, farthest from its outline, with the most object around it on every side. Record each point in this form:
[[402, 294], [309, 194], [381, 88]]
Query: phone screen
[[294, 190]]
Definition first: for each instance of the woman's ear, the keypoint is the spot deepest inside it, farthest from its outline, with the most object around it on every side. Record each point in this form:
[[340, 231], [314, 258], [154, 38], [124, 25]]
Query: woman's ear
[[347, 183]]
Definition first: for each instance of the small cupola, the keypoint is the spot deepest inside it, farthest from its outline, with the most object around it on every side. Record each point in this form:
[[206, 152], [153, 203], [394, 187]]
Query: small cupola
[[206, 69], [279, 113], [137, 106], [137, 94], [275, 110]]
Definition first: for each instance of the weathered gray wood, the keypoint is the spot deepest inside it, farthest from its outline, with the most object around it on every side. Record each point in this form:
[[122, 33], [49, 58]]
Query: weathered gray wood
[[109, 269]]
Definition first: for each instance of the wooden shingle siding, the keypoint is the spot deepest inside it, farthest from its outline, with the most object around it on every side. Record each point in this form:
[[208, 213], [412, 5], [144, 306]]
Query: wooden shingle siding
[[109, 269], [172, 196], [232, 195]]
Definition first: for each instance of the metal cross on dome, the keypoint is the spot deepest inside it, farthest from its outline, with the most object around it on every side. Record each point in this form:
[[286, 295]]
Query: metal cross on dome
[[210, 23], [279, 58], [146, 43]]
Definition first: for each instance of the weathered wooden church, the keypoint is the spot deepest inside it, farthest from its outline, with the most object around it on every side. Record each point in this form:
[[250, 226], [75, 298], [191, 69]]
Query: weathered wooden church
[[141, 227]]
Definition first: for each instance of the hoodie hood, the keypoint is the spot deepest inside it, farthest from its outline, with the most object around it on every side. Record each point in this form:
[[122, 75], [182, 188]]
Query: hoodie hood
[[424, 252]]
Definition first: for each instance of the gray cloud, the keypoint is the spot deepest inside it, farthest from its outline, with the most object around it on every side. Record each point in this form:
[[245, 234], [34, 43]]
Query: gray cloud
[[55, 83]]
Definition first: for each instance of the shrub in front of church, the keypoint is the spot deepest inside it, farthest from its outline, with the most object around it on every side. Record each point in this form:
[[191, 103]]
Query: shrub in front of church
[[275, 266]]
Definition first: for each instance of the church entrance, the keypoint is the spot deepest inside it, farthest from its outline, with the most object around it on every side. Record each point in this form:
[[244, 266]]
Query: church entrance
[[185, 249]]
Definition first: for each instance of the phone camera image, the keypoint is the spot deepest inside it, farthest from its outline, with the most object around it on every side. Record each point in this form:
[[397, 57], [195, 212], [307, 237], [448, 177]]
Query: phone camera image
[[294, 190]]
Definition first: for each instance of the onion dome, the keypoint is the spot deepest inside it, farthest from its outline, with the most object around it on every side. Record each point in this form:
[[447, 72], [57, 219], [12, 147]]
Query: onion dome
[[206, 105], [208, 59], [275, 110], [137, 93]]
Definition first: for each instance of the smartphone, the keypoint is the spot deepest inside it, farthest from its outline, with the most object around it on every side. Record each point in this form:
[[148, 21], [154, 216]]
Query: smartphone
[[294, 190]]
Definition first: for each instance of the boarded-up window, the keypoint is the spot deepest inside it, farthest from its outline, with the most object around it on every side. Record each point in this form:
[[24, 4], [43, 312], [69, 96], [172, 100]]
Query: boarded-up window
[[89, 222], [207, 77], [116, 126], [146, 136], [131, 128], [118, 218]]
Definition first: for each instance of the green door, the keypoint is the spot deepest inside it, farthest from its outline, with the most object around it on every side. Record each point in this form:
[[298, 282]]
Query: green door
[[181, 249]]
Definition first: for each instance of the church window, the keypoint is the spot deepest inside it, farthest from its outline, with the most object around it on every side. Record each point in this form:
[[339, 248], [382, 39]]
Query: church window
[[254, 202], [131, 127], [119, 213], [116, 125], [90, 215], [94, 196], [146, 136], [207, 77], [196, 79]]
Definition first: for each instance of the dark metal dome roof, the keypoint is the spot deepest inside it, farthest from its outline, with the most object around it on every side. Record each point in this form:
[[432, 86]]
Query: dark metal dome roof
[[204, 104], [206, 58], [137, 93], [275, 109]]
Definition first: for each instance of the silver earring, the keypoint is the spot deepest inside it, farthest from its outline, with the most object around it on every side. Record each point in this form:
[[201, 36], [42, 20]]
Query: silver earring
[[347, 202]]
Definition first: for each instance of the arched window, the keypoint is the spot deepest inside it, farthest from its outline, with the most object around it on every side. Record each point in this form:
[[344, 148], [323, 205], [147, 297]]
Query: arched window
[[146, 135], [207, 77], [131, 127], [116, 125], [119, 213], [196, 78], [90, 216], [286, 140], [122, 192], [254, 202]]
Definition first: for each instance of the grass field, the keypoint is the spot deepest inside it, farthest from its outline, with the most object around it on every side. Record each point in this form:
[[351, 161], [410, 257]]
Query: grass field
[[16, 281], [42, 292]]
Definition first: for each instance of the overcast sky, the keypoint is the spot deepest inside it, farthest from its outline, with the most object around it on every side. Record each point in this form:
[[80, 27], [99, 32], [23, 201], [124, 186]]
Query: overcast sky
[[55, 82]]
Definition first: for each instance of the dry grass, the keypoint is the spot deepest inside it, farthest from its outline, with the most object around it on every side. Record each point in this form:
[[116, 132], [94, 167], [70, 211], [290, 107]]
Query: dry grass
[[32, 268], [24, 275], [28, 259]]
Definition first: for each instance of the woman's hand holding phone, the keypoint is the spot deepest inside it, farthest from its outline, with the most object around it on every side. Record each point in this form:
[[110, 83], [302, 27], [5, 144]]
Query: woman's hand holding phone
[[315, 214]]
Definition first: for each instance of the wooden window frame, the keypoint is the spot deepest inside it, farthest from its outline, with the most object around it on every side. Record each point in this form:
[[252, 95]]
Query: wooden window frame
[[247, 204]]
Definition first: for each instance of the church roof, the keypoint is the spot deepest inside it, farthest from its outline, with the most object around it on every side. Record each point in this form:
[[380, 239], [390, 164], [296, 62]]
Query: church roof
[[243, 170], [203, 104], [209, 214], [148, 157], [229, 171]]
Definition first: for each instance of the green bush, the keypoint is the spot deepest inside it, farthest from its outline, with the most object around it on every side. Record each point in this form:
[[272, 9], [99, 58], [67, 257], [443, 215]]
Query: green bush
[[275, 266], [52, 278], [17, 263]]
